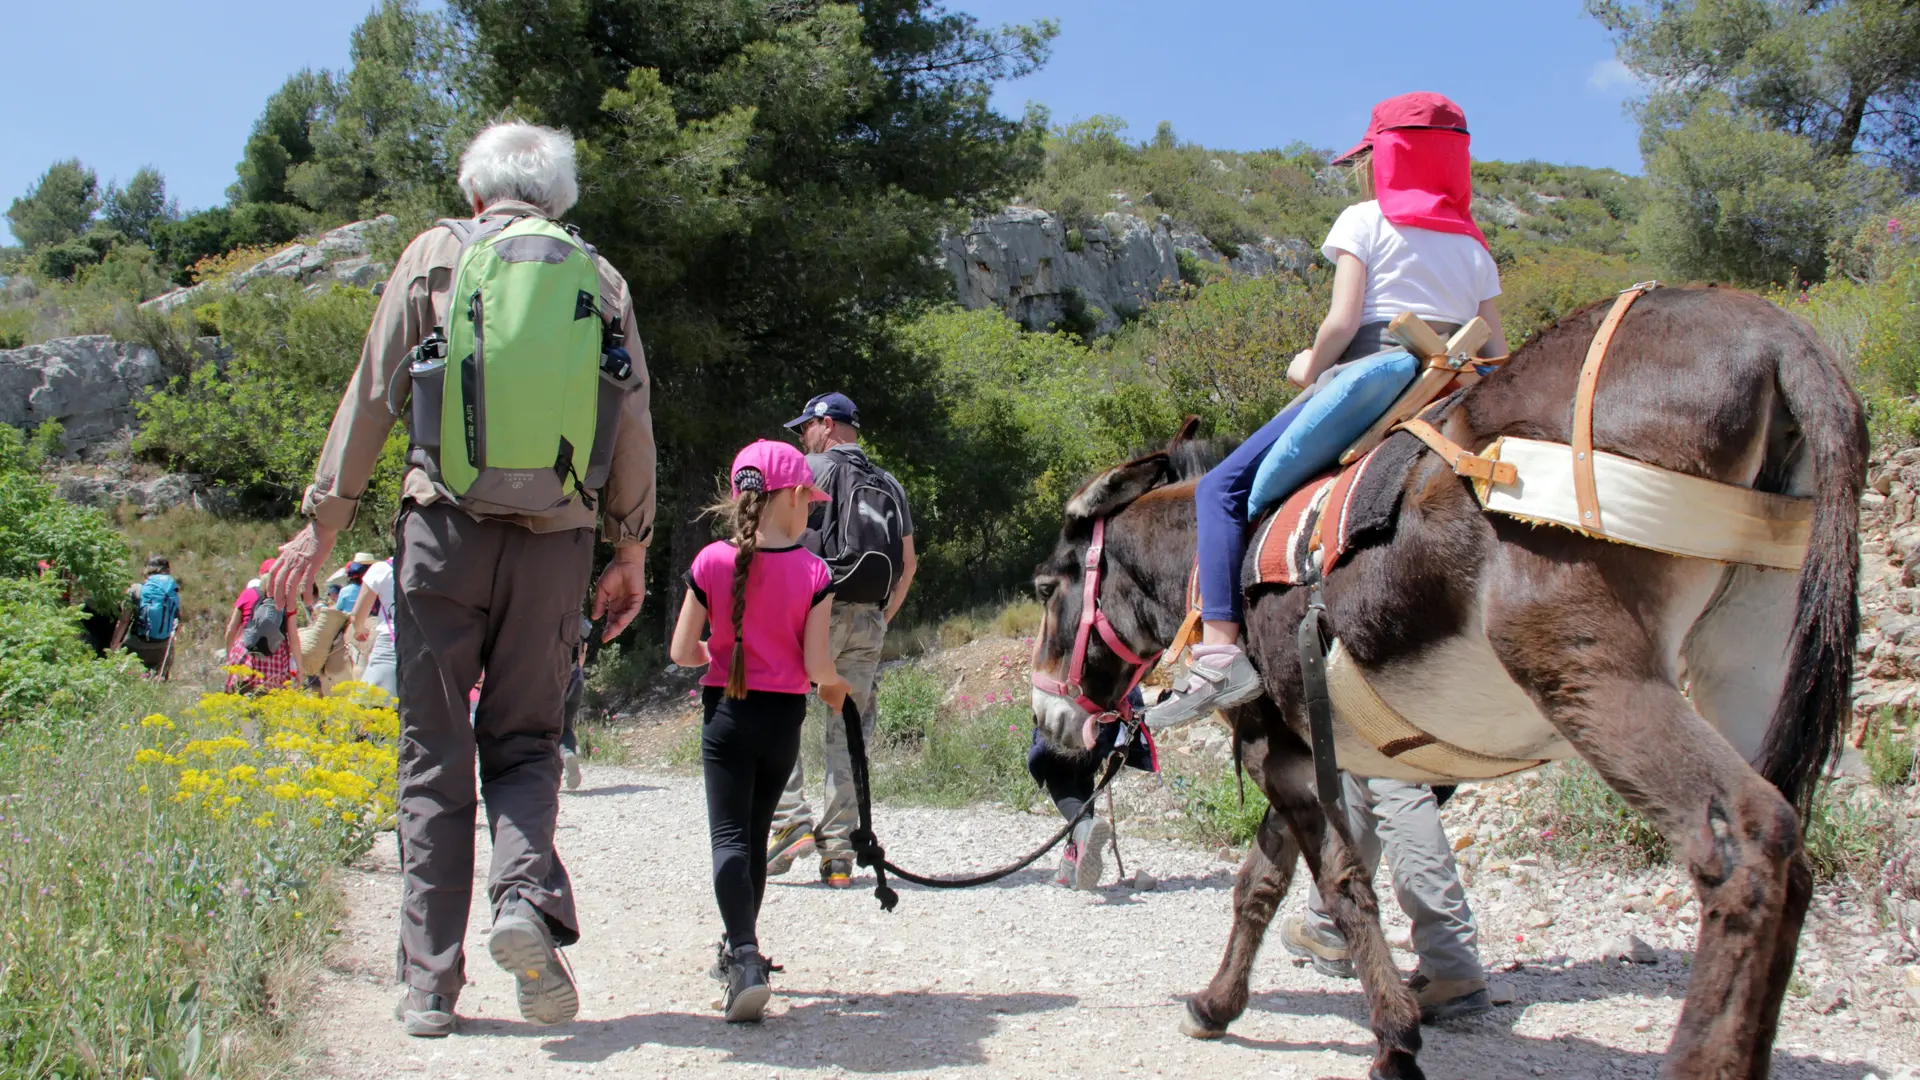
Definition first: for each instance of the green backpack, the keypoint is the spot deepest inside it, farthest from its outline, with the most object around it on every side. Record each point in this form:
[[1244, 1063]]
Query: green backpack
[[526, 422]]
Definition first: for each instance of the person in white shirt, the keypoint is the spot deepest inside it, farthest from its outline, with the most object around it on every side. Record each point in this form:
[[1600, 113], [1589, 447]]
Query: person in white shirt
[[373, 621], [1412, 246]]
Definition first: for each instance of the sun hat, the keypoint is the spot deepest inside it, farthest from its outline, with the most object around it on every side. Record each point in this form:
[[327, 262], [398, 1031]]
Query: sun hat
[[765, 465], [361, 558], [1420, 109], [832, 406]]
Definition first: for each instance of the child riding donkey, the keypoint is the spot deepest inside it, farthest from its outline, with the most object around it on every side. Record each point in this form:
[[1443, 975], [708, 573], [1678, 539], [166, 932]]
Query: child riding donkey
[[1413, 247]]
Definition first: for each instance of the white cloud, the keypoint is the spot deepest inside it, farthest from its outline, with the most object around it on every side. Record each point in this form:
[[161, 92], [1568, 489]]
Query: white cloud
[[1610, 74]]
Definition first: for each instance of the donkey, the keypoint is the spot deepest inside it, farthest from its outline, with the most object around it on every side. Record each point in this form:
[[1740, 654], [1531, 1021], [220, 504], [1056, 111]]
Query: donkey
[[1710, 696]]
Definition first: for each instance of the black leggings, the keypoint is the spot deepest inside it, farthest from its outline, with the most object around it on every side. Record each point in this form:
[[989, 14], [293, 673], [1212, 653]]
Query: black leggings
[[748, 747]]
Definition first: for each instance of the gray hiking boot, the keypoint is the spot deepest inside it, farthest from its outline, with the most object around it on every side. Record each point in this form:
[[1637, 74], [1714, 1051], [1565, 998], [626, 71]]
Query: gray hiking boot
[[522, 944], [785, 845], [570, 761], [747, 988], [424, 1015], [1328, 951], [1091, 838], [1220, 677], [1449, 999]]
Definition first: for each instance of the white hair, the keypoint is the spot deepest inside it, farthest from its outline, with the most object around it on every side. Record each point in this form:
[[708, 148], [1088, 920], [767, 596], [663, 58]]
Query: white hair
[[516, 160]]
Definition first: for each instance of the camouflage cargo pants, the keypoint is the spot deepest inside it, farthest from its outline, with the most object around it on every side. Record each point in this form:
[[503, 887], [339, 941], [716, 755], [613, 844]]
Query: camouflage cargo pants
[[857, 633]]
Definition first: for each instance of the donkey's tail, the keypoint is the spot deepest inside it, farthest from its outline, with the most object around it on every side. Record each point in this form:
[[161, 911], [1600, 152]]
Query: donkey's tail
[[1817, 700]]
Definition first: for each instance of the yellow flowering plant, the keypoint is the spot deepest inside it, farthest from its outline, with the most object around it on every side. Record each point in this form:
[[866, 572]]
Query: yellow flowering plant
[[285, 760]]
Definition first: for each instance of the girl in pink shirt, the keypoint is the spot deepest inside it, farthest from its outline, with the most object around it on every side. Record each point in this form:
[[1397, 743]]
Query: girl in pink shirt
[[765, 601]]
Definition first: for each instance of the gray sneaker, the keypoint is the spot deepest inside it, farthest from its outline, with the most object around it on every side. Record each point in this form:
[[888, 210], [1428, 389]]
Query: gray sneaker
[[522, 944], [747, 988], [571, 762], [1216, 680], [424, 1015], [1091, 837]]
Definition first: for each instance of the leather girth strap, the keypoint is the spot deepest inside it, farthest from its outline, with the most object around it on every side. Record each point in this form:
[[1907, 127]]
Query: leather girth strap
[[1469, 465], [1189, 626], [1586, 496]]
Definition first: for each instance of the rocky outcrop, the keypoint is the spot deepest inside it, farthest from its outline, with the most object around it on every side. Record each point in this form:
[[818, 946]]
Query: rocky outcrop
[[1031, 264], [150, 496], [341, 256], [89, 384], [1888, 650]]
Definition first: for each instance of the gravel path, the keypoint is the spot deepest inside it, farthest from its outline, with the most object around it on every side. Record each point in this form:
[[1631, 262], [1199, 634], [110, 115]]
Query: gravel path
[[1024, 979]]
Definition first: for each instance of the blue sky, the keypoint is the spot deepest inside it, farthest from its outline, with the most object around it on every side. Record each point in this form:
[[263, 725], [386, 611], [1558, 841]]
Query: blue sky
[[126, 83]]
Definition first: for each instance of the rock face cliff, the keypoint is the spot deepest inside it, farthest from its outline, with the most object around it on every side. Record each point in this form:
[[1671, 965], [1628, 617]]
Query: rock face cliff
[[339, 256], [89, 384], [1030, 264]]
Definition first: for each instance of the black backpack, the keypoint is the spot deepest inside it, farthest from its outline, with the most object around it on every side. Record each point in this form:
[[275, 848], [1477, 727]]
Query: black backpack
[[863, 530], [266, 629]]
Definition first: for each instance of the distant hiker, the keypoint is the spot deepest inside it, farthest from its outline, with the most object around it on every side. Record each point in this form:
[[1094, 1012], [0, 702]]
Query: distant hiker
[[1070, 779], [349, 578], [373, 623], [1412, 246], [866, 536], [767, 602], [149, 616], [570, 708], [507, 342], [1400, 822], [259, 636]]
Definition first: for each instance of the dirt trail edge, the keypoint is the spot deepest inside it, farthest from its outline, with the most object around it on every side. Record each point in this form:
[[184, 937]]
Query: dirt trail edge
[[1023, 979]]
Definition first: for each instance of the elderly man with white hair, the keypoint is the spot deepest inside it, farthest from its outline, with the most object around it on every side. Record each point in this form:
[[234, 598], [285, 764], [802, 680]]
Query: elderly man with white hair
[[506, 334]]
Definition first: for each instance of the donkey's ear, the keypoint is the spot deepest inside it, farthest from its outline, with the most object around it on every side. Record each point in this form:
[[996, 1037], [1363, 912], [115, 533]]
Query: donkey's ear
[[1111, 491], [1188, 429]]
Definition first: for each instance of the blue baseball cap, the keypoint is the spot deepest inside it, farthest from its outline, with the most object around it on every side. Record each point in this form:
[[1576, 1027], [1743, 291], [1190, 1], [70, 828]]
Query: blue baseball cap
[[835, 406]]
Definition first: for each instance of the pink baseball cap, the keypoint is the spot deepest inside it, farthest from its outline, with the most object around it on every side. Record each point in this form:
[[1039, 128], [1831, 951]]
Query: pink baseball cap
[[765, 465]]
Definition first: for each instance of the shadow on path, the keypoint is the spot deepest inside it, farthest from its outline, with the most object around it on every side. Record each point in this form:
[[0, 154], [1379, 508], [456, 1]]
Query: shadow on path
[[866, 1033]]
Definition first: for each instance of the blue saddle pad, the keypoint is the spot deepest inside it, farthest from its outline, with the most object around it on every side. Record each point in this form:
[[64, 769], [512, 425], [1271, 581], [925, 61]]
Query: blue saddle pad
[[1327, 423]]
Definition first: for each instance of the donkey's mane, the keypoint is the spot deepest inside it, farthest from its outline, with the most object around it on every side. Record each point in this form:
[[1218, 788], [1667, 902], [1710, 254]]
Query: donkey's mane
[[1191, 459]]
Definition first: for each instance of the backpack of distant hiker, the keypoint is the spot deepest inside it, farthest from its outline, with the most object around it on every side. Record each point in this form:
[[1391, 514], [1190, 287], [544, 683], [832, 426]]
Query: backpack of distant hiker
[[862, 533], [266, 629], [159, 608], [515, 400]]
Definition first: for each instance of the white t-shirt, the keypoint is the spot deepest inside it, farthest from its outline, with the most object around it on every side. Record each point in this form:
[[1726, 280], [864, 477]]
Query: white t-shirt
[[379, 578], [1439, 276]]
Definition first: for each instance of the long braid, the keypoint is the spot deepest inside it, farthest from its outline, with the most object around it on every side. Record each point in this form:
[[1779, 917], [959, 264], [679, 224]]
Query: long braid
[[746, 523]]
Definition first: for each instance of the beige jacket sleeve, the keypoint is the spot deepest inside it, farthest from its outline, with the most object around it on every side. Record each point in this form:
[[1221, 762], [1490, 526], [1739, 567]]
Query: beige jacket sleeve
[[627, 513], [361, 424]]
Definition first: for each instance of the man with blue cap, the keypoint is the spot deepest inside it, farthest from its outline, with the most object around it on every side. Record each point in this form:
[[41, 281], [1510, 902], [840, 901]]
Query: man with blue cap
[[866, 537]]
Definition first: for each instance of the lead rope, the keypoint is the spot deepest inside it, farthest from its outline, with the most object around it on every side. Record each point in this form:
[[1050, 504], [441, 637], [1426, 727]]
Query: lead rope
[[866, 846]]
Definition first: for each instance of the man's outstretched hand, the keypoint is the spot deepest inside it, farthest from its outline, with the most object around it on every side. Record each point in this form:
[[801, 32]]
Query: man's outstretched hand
[[621, 591], [299, 560]]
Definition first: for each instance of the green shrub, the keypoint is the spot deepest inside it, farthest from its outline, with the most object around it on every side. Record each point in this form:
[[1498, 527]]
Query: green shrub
[[260, 424], [1578, 817], [964, 758], [907, 704], [45, 663], [48, 443], [1889, 758], [16, 327], [1220, 807], [36, 526], [1538, 290]]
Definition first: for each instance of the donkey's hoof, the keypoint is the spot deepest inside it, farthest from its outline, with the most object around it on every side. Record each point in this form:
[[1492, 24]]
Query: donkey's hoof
[[1193, 1025]]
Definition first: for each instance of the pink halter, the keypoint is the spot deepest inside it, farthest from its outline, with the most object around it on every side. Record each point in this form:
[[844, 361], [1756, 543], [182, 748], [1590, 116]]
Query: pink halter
[[1092, 618]]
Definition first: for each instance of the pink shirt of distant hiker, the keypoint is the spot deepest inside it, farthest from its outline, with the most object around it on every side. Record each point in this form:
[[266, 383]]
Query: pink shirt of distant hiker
[[782, 587]]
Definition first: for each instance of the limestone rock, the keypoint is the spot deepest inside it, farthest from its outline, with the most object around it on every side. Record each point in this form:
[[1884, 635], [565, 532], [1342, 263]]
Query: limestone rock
[[1628, 947], [89, 384], [340, 255], [145, 496], [1021, 261]]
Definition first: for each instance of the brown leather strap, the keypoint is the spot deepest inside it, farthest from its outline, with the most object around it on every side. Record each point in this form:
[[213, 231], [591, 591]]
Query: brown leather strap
[[1472, 466], [1586, 497], [1189, 626]]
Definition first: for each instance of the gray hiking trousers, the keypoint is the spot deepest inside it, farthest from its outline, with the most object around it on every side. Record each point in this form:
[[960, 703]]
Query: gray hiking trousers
[[479, 595], [1399, 821], [858, 632]]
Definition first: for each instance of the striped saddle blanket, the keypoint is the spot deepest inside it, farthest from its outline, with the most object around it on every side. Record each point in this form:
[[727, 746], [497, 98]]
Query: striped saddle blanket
[[1311, 529]]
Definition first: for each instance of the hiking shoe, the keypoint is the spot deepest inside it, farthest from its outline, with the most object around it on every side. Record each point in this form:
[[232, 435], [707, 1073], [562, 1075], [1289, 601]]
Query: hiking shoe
[[1069, 872], [521, 943], [793, 842], [424, 1015], [1220, 677], [570, 761], [745, 1001], [1449, 999], [837, 873], [1327, 950], [1091, 838]]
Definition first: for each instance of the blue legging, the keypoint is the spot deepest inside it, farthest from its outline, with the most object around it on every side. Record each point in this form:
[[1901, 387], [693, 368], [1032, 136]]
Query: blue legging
[[1220, 504]]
